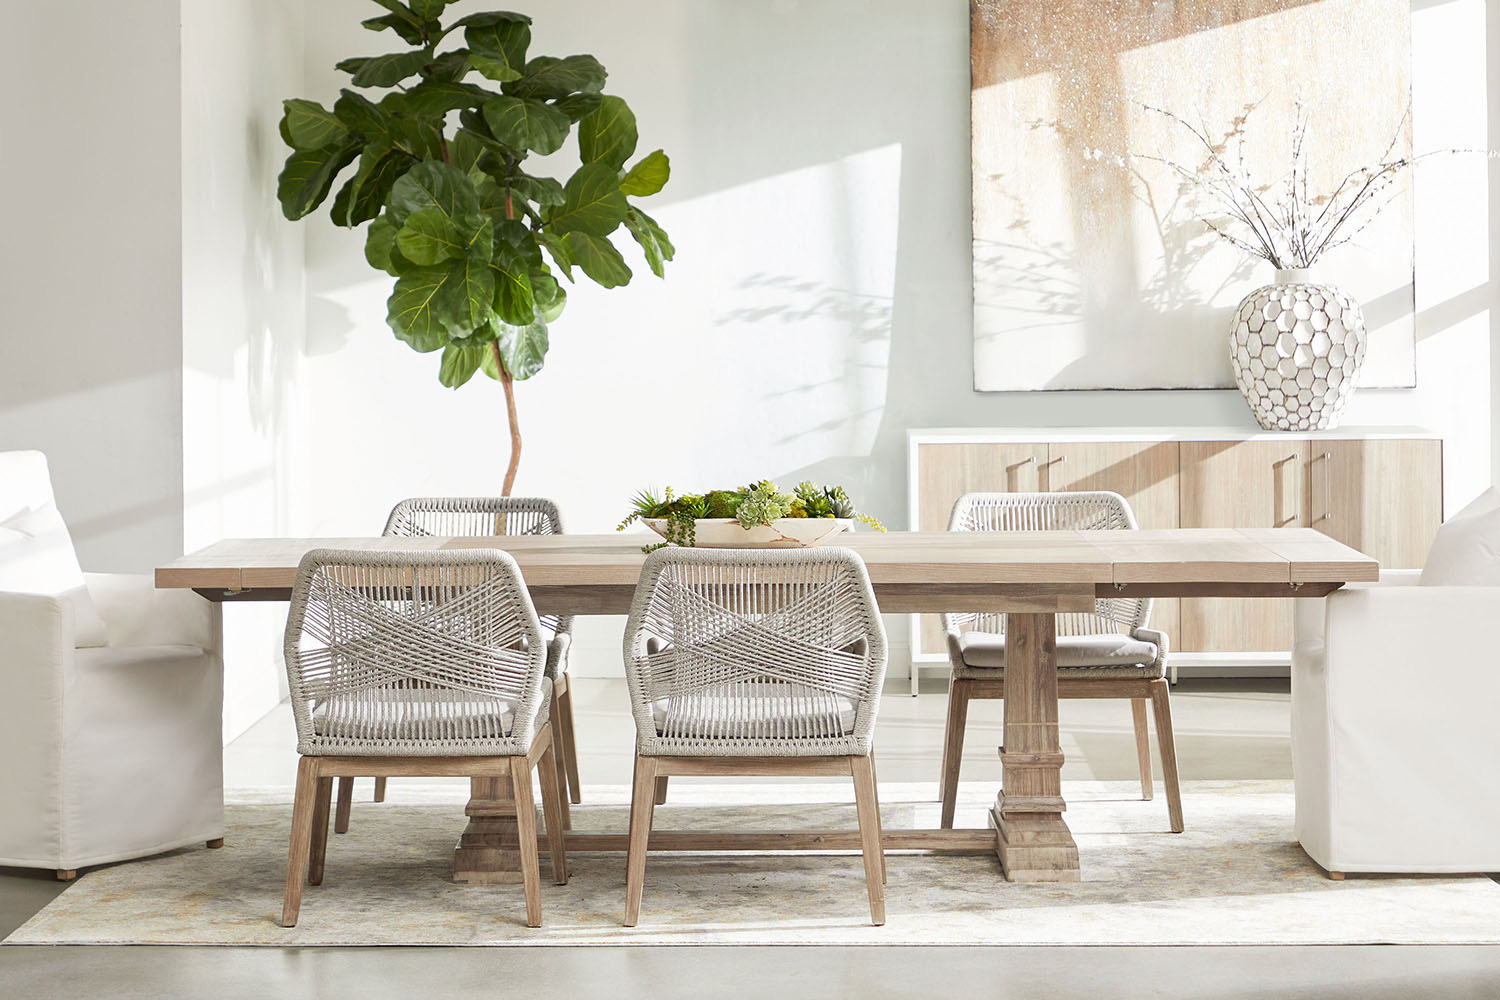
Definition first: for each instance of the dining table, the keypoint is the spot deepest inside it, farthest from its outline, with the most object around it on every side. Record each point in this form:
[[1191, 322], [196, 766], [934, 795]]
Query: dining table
[[1030, 576]]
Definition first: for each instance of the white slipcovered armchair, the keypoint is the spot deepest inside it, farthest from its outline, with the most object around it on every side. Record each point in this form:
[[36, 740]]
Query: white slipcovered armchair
[[1395, 745], [111, 699]]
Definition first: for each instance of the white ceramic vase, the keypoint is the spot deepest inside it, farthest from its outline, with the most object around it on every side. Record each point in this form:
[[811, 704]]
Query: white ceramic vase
[[1296, 347]]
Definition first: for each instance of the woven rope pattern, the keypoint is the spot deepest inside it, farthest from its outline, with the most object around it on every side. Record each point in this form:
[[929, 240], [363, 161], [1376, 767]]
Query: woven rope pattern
[[740, 652], [413, 654], [479, 517], [1082, 511]]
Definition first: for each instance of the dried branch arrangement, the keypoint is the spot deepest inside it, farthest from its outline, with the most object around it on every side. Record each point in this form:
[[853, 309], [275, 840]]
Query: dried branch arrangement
[[1284, 221]]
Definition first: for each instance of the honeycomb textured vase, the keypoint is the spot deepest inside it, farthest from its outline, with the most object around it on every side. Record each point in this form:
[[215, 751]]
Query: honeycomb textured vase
[[1296, 348]]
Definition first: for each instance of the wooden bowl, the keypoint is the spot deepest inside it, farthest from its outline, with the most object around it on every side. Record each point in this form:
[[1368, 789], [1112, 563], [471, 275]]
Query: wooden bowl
[[783, 533]]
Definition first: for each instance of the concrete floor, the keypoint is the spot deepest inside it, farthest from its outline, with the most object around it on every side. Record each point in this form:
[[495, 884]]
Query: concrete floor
[[1225, 729]]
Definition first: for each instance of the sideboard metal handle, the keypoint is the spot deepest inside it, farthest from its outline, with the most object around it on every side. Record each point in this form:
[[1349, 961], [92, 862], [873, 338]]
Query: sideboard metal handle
[[1279, 473], [1327, 457]]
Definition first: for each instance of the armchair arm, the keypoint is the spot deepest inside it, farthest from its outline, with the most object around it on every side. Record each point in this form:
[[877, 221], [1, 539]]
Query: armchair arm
[[36, 663], [1158, 638], [1409, 626], [37, 628], [1390, 578], [136, 613]]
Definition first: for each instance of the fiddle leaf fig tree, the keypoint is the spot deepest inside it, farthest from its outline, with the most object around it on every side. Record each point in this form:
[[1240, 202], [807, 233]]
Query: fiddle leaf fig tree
[[433, 142]]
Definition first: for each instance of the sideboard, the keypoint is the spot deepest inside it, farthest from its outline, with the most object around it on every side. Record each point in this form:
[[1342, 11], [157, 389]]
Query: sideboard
[[1379, 490]]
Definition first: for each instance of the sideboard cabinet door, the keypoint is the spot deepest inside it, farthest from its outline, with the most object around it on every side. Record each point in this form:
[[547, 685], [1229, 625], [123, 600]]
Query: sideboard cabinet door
[[1145, 474], [1241, 484], [947, 471], [1383, 497]]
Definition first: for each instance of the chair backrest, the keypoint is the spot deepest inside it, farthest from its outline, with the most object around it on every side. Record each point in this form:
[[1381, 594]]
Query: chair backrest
[[1079, 511], [737, 652], [413, 653], [478, 517], [25, 483], [474, 516]]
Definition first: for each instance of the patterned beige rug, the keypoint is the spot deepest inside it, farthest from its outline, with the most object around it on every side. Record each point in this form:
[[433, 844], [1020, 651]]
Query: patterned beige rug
[[1236, 877]]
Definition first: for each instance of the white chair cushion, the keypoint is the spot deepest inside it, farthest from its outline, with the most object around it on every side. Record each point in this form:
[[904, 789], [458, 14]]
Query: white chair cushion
[[37, 557], [755, 708], [987, 649], [395, 714], [1466, 551]]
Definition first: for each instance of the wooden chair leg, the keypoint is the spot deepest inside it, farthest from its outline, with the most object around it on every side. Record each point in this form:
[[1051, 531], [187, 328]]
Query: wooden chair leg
[[660, 796], [642, 803], [869, 835], [319, 849], [531, 876], [554, 805], [1143, 747], [570, 747], [953, 748], [379, 789], [875, 784], [66, 874], [304, 805], [215, 844], [1162, 709], [345, 802], [559, 756]]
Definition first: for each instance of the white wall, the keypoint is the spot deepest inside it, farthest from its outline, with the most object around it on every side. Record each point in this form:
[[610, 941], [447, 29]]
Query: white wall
[[820, 304], [90, 335], [243, 310]]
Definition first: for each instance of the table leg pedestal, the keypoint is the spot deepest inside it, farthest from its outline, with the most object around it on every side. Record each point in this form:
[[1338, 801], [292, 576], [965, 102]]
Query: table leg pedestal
[[1034, 847], [489, 851], [1031, 838]]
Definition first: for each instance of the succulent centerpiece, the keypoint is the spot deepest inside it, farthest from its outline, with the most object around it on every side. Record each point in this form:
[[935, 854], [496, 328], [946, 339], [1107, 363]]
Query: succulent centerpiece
[[756, 516]]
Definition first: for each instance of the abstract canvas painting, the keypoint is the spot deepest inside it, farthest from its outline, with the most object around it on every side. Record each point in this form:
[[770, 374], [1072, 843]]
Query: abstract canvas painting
[[1092, 265]]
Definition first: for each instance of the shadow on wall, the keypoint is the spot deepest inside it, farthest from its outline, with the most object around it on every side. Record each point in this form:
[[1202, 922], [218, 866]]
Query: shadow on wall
[[866, 320]]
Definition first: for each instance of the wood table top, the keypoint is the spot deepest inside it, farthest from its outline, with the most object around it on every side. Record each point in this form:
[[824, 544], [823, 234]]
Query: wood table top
[[1181, 558]]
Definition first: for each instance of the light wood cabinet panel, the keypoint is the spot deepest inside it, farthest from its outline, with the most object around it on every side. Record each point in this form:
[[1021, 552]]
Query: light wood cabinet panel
[[1145, 473], [1383, 497], [1240, 484], [948, 471]]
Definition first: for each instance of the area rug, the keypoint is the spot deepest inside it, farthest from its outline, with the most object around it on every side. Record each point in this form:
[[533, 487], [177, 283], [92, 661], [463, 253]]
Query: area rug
[[1235, 877]]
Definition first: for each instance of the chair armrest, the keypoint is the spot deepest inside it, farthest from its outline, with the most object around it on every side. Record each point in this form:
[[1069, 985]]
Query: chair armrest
[[36, 627], [136, 613], [1389, 624], [35, 665], [1390, 578], [1160, 639]]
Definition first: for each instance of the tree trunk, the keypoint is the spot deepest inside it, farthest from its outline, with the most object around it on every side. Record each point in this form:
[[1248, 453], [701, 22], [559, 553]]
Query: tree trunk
[[509, 385]]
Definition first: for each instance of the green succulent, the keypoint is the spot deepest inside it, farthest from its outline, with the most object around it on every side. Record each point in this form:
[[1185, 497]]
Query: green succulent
[[763, 503], [839, 502]]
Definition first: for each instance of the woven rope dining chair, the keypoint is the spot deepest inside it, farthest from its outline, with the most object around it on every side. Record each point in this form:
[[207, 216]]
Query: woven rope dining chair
[[765, 662], [417, 663], [497, 517], [1108, 654]]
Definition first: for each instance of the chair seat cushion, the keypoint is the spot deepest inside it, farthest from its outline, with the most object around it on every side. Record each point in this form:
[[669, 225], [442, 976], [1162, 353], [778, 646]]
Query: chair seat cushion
[[1074, 652], [767, 709], [423, 715]]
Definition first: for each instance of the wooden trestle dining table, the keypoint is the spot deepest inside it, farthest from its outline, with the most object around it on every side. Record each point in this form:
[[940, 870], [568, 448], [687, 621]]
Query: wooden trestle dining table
[[1032, 576]]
